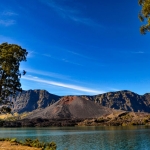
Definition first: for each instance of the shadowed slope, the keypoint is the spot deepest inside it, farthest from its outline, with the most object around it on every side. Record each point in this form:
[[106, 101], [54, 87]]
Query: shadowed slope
[[123, 100], [32, 99]]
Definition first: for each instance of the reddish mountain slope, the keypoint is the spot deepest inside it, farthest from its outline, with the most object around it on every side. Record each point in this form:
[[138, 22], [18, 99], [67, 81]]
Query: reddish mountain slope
[[71, 107]]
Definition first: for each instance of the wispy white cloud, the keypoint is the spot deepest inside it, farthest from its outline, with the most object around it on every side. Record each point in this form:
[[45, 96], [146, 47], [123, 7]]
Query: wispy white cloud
[[61, 10], [44, 73], [62, 59], [31, 53], [114, 89], [86, 21], [67, 61], [138, 52], [70, 13], [133, 52], [64, 85], [66, 51], [80, 55], [7, 18], [33, 76], [8, 13], [47, 55], [7, 22]]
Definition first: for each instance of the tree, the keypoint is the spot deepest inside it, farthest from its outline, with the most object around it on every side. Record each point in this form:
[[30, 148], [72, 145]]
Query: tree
[[10, 57], [145, 15]]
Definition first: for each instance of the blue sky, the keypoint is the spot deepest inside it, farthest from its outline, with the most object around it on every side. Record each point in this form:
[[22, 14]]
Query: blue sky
[[79, 47]]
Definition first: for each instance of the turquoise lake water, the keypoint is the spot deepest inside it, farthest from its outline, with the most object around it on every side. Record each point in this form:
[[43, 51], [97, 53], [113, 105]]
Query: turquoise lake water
[[86, 138]]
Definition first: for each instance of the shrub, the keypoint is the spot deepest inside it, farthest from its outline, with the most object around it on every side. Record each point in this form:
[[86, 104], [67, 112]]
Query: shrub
[[33, 143]]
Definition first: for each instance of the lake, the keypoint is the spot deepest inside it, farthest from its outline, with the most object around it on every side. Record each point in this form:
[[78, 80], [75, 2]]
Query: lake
[[86, 138]]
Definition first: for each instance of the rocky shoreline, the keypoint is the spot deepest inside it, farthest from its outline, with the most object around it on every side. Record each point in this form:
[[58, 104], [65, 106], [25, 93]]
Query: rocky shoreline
[[40, 122]]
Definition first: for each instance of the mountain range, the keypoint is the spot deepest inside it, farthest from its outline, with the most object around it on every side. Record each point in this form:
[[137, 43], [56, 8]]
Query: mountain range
[[40, 108], [125, 100]]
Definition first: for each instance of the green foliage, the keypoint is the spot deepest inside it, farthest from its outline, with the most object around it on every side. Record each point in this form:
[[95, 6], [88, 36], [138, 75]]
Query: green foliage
[[145, 15], [14, 140], [33, 143], [10, 57]]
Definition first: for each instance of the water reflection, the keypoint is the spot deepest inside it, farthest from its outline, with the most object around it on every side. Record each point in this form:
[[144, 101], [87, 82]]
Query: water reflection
[[87, 138]]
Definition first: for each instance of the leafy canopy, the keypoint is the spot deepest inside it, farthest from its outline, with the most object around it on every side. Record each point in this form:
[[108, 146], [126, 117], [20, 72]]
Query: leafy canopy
[[144, 15], [10, 57]]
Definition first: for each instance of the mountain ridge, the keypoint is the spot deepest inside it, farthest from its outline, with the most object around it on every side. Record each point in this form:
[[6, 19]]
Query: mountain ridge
[[123, 100], [32, 99]]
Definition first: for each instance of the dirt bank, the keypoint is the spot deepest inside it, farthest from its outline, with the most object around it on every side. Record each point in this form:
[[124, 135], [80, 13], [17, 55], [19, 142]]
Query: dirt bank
[[6, 145]]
